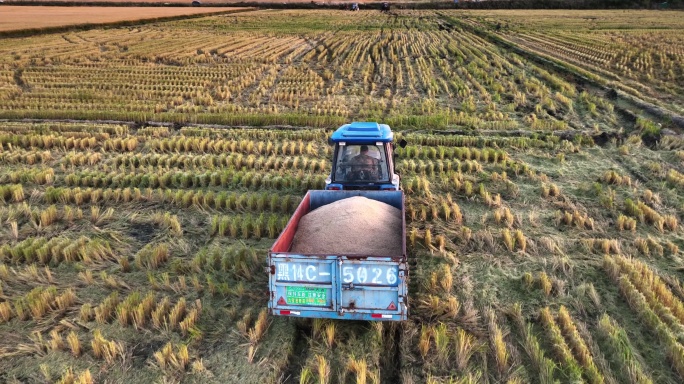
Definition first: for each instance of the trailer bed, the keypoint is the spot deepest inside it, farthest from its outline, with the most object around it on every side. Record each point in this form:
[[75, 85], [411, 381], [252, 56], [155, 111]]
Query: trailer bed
[[338, 286]]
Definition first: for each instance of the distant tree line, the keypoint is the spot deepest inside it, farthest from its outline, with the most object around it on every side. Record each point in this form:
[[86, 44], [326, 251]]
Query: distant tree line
[[481, 4], [646, 3], [377, 4], [570, 4]]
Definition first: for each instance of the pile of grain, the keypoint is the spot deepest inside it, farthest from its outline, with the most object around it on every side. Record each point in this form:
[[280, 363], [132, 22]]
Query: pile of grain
[[355, 225]]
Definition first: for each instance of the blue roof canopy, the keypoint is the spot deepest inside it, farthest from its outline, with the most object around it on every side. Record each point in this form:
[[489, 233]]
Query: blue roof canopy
[[363, 132]]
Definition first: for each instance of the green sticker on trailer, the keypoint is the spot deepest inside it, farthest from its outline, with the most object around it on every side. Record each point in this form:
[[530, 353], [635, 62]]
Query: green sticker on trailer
[[307, 296]]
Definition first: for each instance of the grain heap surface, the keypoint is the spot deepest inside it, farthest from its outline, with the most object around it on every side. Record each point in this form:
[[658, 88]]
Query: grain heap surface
[[355, 225]]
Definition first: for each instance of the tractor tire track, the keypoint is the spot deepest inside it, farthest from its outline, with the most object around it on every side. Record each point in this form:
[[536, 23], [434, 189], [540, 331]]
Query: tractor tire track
[[300, 347], [390, 359], [19, 79]]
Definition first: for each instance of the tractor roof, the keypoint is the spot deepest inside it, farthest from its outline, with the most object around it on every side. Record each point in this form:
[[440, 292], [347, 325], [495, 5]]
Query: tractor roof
[[362, 132]]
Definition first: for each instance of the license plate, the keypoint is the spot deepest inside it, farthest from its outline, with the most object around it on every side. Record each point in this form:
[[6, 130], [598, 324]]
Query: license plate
[[307, 296]]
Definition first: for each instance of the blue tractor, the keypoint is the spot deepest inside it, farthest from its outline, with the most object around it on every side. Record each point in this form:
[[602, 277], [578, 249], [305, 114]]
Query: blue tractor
[[363, 158]]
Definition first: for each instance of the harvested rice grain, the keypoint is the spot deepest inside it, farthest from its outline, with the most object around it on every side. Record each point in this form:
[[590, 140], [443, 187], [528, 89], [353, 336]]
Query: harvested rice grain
[[355, 225]]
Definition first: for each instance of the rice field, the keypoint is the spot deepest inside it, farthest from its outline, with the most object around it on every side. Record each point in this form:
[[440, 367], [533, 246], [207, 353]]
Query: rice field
[[644, 61], [544, 218], [18, 18]]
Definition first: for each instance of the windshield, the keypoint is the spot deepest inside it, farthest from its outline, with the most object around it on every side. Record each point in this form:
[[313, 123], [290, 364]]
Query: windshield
[[362, 163]]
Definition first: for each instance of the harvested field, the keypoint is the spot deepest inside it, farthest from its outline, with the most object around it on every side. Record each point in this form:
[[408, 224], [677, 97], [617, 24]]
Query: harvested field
[[17, 18], [544, 205]]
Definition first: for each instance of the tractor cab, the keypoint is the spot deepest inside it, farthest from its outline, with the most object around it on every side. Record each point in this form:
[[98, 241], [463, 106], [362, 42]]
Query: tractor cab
[[363, 158]]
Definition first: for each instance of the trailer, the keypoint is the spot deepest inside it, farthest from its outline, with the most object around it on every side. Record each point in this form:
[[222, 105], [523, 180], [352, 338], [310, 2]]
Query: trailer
[[333, 285]]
